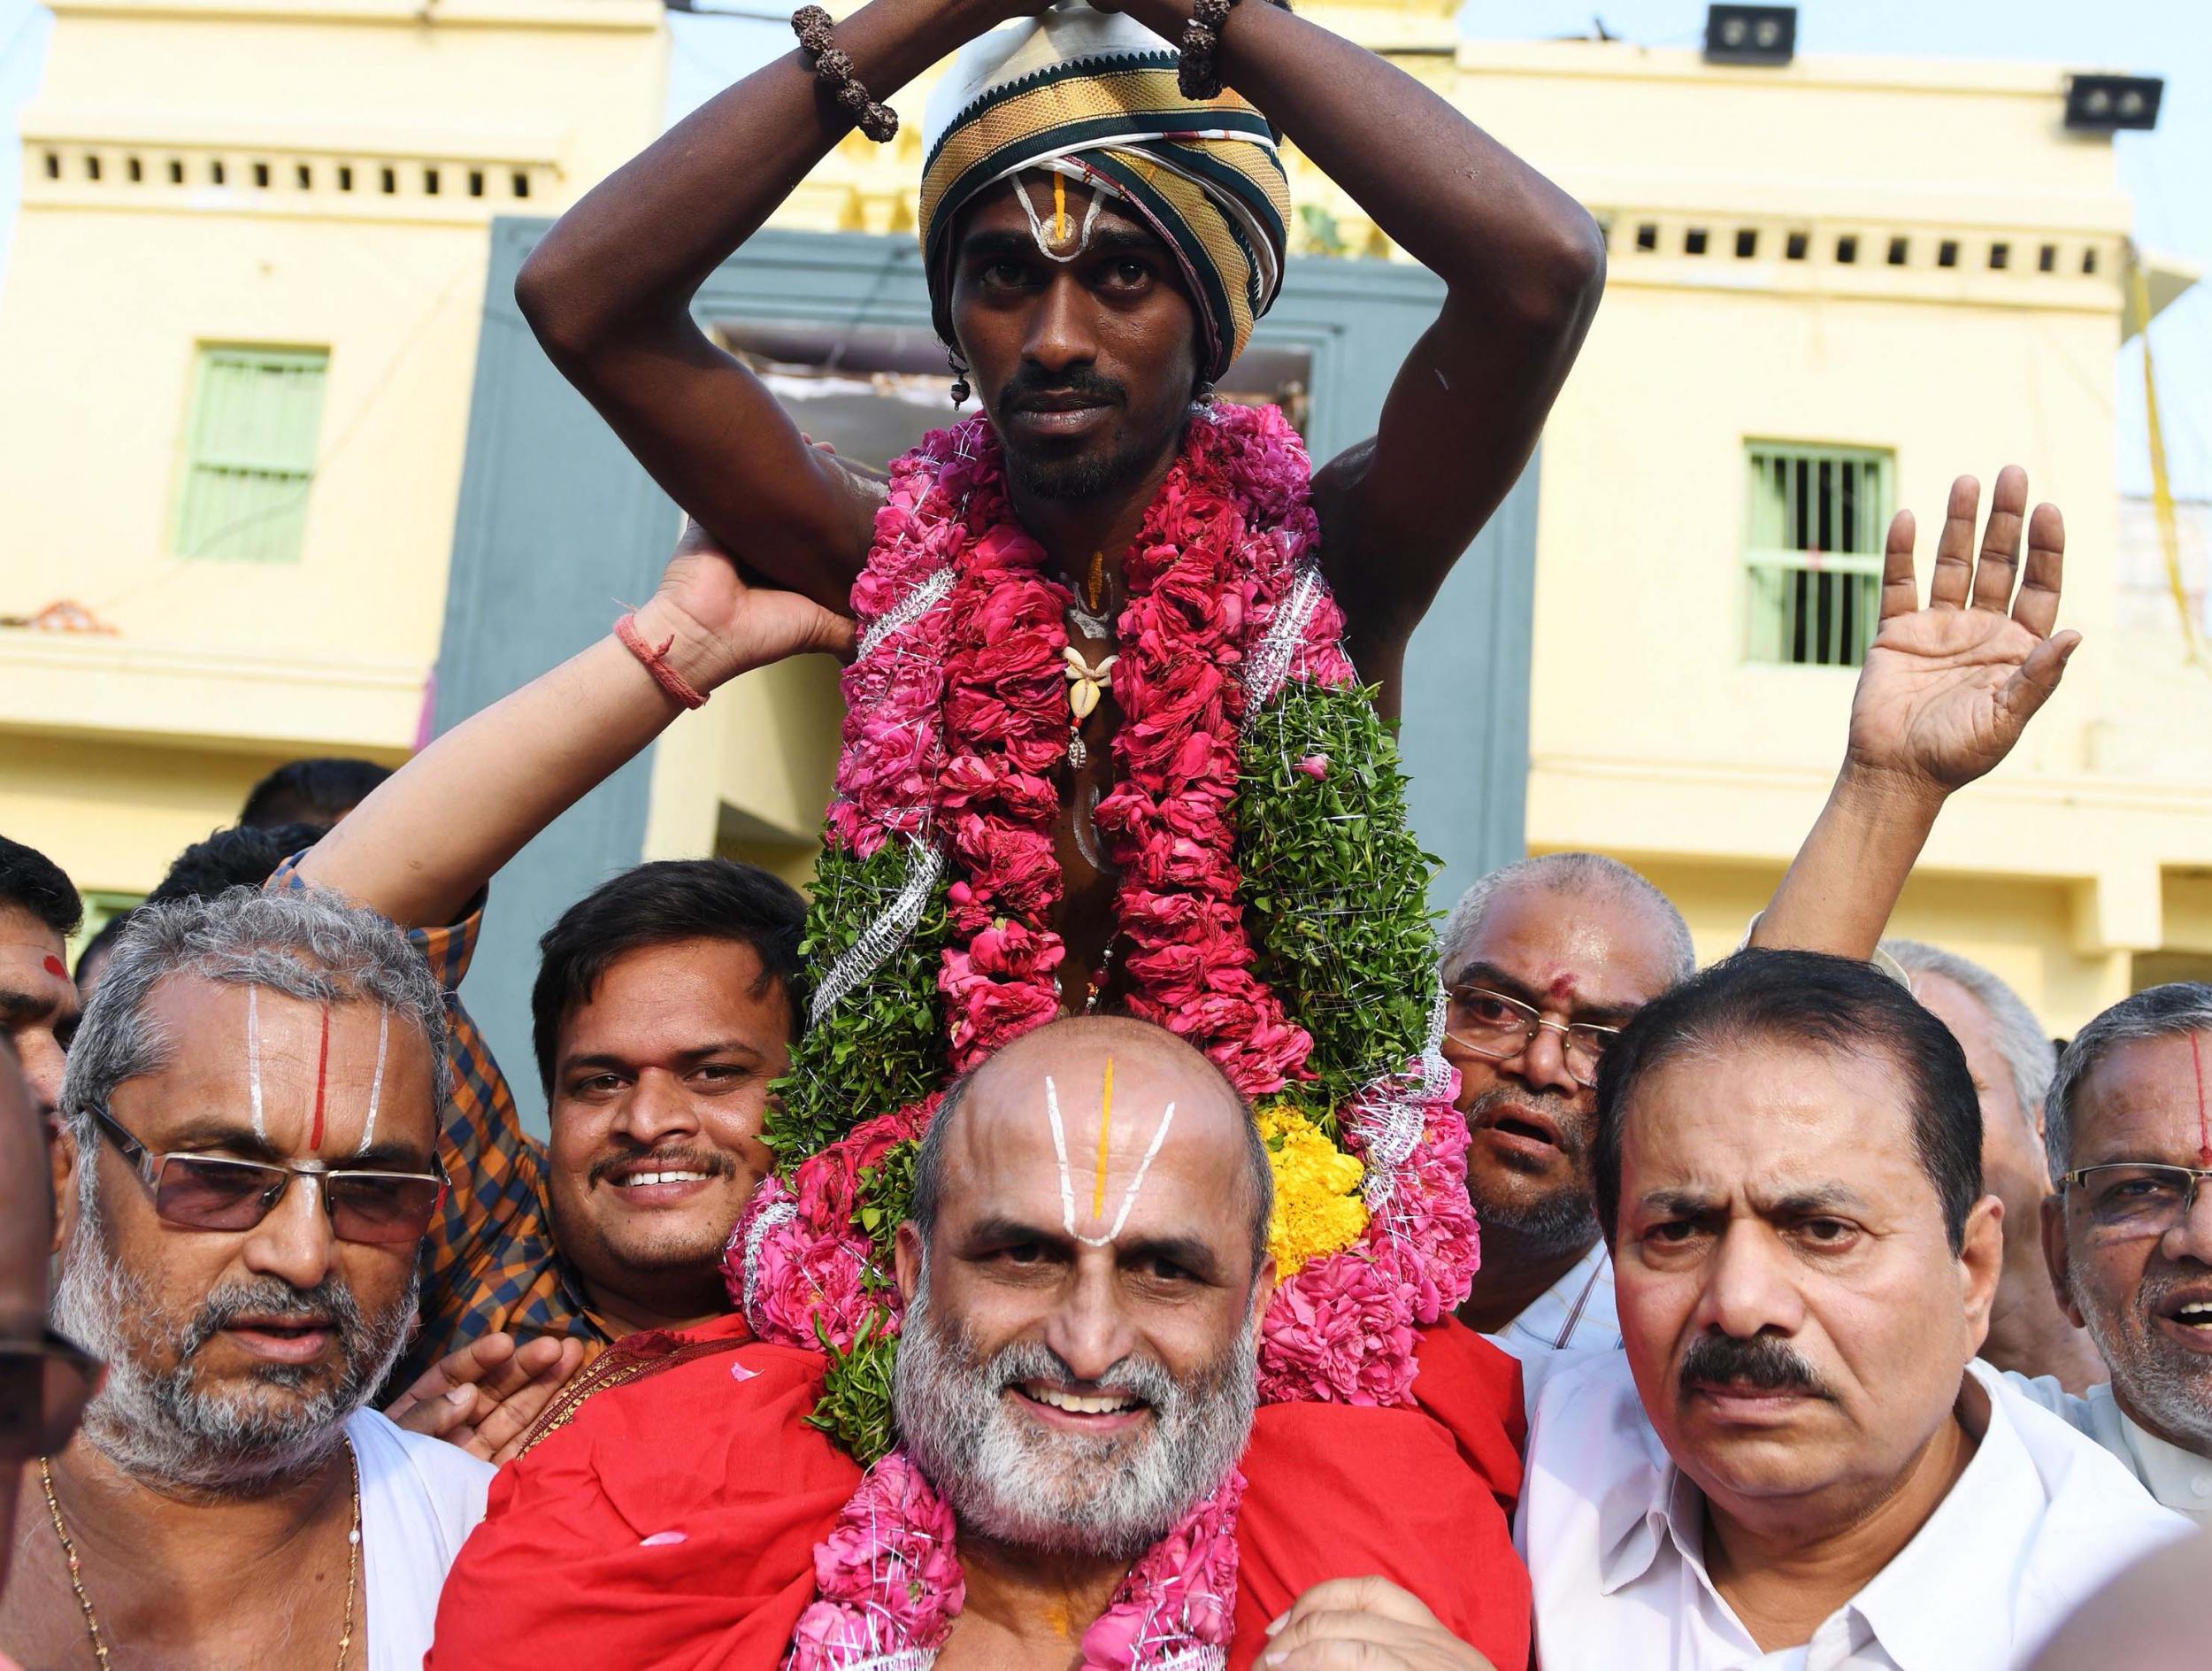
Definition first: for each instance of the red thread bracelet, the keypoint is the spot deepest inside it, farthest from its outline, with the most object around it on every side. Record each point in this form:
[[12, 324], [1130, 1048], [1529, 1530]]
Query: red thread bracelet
[[657, 663]]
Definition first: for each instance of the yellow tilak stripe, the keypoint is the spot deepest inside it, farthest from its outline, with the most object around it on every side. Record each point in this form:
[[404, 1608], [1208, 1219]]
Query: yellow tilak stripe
[[1105, 1124], [1059, 209]]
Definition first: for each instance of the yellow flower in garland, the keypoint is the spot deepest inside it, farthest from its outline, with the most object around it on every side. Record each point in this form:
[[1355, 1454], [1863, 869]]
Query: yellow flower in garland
[[1317, 1206]]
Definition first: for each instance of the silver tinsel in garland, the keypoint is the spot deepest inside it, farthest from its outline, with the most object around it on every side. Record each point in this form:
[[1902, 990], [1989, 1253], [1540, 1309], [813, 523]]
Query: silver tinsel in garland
[[883, 937]]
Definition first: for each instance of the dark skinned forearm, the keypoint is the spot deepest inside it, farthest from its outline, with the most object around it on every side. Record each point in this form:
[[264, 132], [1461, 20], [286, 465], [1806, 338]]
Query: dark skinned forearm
[[608, 291], [1524, 266], [636, 247], [1493, 229]]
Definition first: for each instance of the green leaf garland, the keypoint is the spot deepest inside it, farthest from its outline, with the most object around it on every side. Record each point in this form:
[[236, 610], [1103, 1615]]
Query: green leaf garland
[[1336, 885], [884, 1192], [879, 1048], [855, 1408]]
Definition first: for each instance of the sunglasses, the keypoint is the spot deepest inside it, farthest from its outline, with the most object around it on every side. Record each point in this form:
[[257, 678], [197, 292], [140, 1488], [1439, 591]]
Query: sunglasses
[[45, 1383], [211, 1192]]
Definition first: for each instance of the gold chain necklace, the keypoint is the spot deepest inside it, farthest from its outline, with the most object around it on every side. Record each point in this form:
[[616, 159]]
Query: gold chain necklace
[[92, 1619]]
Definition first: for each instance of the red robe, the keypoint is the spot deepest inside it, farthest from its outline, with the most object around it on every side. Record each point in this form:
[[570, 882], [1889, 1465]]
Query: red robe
[[672, 1524]]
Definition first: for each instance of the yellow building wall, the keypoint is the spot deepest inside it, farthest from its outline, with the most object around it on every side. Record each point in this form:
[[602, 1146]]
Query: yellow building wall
[[116, 750], [1652, 736]]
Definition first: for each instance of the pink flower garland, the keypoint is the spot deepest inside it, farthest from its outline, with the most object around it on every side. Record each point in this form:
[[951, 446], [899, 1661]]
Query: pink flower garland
[[1169, 823], [1006, 731], [810, 1262], [955, 726], [888, 1583]]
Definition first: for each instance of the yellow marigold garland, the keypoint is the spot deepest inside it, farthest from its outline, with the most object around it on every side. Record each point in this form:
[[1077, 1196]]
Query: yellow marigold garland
[[1318, 1209]]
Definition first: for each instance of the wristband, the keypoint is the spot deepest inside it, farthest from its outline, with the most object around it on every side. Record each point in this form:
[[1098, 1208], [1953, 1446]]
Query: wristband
[[679, 687], [834, 65], [1196, 72]]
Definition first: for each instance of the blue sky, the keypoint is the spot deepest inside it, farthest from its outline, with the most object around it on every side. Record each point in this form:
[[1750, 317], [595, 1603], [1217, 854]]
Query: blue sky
[[2168, 174]]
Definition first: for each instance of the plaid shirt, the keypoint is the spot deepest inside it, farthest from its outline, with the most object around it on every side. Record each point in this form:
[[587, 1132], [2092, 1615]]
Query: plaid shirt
[[488, 1262]]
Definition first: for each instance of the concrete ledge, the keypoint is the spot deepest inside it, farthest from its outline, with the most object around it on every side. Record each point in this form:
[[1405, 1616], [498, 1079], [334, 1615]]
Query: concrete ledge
[[56, 685]]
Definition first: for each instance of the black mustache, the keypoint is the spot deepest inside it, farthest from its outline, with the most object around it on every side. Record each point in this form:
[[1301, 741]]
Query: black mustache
[[1074, 379], [1762, 1364]]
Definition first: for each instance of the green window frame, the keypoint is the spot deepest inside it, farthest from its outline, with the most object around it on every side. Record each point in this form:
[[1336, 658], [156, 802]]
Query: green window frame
[[256, 417], [1815, 519]]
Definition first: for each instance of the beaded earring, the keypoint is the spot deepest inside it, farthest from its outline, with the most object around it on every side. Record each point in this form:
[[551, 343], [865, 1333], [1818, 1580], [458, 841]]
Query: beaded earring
[[959, 367]]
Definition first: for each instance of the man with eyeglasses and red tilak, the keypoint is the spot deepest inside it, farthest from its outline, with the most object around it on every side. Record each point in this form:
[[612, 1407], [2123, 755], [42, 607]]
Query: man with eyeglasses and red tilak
[[1544, 961], [245, 1172], [2127, 1233]]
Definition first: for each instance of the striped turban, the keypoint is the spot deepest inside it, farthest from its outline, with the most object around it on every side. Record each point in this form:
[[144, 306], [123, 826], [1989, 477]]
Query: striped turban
[[1092, 97]]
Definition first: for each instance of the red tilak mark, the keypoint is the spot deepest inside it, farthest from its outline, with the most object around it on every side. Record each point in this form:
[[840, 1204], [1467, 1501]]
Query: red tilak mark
[[2204, 1128], [322, 1061], [1563, 987], [54, 967]]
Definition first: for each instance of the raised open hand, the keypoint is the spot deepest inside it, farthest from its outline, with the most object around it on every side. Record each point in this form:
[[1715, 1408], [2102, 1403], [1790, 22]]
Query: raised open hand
[[1947, 689]]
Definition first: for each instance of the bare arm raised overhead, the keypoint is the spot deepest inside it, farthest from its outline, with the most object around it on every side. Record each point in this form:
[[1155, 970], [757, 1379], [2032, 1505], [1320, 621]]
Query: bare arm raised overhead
[[1523, 266], [1945, 692], [609, 289]]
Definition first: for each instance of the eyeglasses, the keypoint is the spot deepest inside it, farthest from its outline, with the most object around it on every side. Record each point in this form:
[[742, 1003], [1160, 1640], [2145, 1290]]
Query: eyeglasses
[[1494, 1025], [45, 1383], [211, 1192], [2137, 1198]]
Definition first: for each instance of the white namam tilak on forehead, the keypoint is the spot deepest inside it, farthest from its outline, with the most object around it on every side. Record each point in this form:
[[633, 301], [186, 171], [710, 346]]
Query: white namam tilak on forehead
[[1053, 236], [253, 1060], [376, 1079], [1098, 1188], [255, 1101]]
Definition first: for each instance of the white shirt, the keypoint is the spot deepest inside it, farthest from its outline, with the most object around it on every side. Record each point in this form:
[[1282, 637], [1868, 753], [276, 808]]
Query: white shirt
[[1613, 1534], [1576, 1314], [421, 1498], [2180, 1479]]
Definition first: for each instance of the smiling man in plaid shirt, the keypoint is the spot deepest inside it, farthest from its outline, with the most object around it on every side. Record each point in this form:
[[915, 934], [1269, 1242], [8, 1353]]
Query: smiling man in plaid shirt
[[664, 1006]]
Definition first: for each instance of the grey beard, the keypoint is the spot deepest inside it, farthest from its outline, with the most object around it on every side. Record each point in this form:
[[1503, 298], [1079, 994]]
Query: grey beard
[[1108, 1498], [160, 1428], [2175, 1396]]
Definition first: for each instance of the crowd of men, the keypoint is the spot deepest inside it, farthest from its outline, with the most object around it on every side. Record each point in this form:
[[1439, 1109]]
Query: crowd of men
[[1743, 1228], [1829, 1317]]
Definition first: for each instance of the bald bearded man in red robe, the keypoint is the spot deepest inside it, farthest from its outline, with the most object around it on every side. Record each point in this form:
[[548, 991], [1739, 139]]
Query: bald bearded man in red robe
[[678, 1521]]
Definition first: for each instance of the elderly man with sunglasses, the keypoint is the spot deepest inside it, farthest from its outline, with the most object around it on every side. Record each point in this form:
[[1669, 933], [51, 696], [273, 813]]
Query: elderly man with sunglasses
[[250, 1111], [2128, 1234]]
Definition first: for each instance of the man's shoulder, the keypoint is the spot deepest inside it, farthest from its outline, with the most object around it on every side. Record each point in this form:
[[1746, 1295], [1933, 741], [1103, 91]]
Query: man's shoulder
[[1578, 1387], [442, 1477], [2082, 1482], [1586, 1426], [726, 1422]]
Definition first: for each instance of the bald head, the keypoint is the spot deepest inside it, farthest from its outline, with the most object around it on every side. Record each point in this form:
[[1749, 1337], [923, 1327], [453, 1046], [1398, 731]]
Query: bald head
[[1106, 1125], [1077, 1362]]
